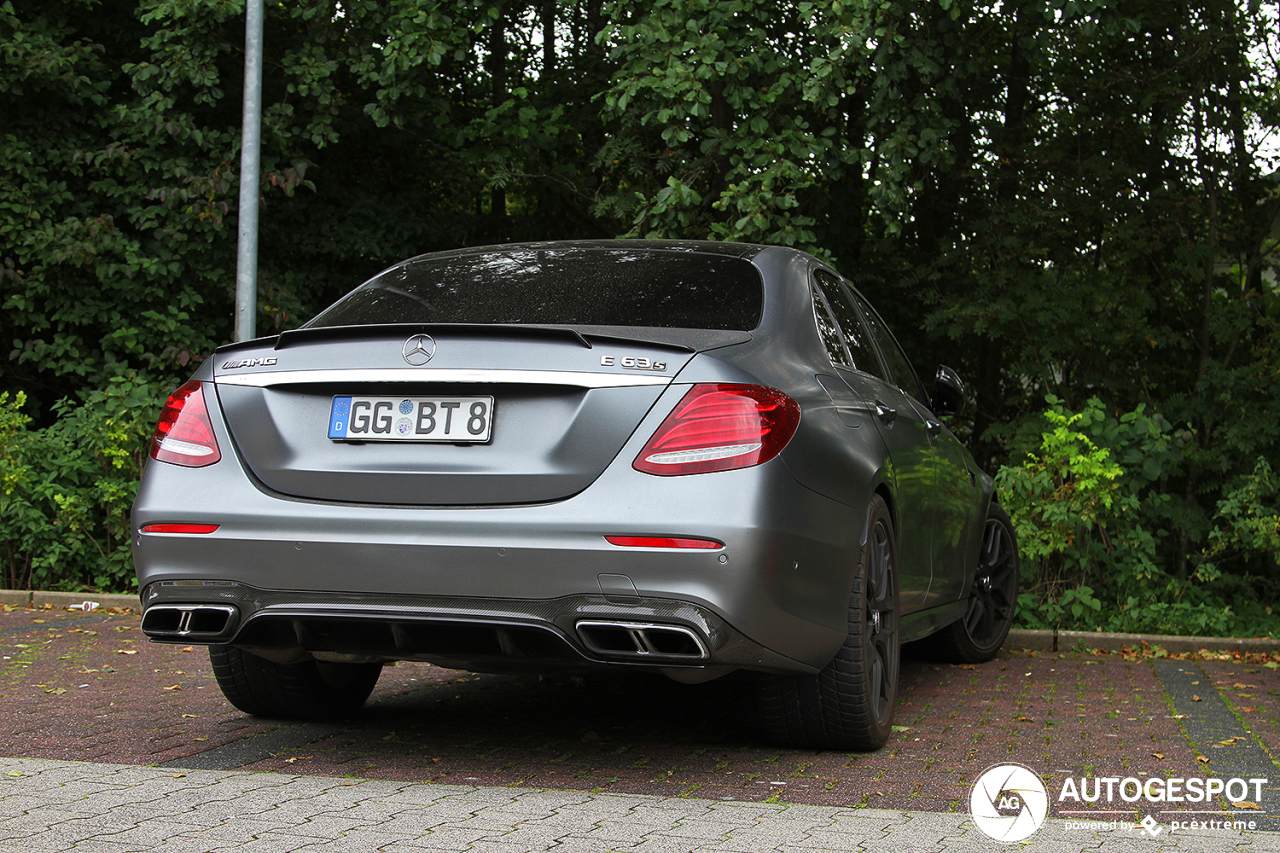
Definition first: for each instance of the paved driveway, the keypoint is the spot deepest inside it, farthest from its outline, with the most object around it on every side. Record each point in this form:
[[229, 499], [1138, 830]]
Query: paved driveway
[[89, 687]]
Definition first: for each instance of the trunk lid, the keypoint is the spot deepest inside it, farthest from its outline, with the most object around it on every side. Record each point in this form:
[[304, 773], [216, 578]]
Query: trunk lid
[[563, 405]]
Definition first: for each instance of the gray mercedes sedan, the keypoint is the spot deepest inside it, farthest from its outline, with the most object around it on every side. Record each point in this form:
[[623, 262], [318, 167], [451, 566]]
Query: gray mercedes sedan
[[691, 458]]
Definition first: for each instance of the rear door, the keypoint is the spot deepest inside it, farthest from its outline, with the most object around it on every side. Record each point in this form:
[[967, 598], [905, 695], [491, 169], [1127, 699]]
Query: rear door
[[905, 434]]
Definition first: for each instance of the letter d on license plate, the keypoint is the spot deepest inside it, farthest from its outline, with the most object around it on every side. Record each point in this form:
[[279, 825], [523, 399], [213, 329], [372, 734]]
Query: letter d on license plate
[[452, 419]]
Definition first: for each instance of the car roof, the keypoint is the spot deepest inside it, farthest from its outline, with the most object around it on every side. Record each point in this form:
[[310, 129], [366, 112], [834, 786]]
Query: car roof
[[710, 247]]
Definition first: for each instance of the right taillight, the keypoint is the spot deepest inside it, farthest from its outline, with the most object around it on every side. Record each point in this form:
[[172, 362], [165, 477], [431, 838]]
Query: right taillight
[[719, 427], [184, 435]]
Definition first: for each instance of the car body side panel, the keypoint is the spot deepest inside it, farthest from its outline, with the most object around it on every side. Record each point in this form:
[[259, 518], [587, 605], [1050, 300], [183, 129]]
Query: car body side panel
[[959, 521]]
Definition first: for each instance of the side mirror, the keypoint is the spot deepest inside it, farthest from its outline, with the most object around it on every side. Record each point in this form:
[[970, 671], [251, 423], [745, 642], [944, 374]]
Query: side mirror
[[948, 392]]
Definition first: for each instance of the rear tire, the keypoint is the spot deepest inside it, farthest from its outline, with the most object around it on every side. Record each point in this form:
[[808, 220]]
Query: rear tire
[[849, 704], [309, 690], [993, 598]]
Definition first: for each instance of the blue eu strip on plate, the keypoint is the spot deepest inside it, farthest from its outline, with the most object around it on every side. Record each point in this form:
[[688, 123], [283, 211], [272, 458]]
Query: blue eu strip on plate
[[338, 417]]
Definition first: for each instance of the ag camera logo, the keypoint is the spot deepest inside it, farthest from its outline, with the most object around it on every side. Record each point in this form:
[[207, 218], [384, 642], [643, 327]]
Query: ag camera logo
[[1009, 802]]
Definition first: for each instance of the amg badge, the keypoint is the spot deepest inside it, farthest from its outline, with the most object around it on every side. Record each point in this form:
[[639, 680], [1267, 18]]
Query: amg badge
[[249, 362]]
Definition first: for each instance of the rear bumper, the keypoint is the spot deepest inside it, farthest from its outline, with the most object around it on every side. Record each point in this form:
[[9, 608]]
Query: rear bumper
[[774, 597], [466, 633]]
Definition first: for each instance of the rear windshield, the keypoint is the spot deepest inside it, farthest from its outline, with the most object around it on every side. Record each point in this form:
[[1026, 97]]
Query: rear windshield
[[571, 286]]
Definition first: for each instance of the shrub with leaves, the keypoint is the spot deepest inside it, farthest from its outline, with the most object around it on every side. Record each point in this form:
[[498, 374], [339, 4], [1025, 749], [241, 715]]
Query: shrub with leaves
[[1090, 511], [67, 488]]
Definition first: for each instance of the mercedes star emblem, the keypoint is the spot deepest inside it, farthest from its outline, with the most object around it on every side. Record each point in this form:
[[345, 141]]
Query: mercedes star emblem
[[419, 349]]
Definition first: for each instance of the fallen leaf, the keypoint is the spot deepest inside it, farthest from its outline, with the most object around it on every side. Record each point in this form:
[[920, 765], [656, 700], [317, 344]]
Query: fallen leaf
[[186, 649], [14, 773], [126, 651], [1248, 710], [1159, 755], [1195, 698], [38, 621], [1179, 716], [1245, 804], [1202, 759], [56, 691], [172, 687], [190, 716], [179, 775], [1239, 686]]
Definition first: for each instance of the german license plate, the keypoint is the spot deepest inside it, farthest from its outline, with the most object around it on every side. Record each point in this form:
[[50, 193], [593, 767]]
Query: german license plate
[[452, 419]]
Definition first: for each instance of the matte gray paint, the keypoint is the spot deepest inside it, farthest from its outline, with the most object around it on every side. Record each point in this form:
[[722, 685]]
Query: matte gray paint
[[791, 527]]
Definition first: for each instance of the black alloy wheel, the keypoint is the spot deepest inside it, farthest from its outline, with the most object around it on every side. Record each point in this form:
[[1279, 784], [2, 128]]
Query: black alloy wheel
[[880, 615], [849, 704], [993, 598]]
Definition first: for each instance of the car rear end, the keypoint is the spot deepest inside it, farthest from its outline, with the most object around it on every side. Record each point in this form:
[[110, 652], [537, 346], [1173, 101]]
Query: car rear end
[[516, 459]]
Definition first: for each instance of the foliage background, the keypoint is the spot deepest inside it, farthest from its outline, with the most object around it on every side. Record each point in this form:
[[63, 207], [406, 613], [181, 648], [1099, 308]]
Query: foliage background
[[1069, 201]]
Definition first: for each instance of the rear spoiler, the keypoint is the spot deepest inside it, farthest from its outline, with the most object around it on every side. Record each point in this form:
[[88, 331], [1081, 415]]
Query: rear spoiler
[[678, 340]]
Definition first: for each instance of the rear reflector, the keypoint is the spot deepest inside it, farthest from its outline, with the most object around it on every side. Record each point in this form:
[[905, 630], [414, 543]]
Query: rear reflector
[[719, 427], [179, 528], [661, 542], [184, 435]]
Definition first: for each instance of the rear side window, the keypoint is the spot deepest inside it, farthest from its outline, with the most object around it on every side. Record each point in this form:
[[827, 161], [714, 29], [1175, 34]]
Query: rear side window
[[855, 336], [564, 286], [894, 358], [828, 332]]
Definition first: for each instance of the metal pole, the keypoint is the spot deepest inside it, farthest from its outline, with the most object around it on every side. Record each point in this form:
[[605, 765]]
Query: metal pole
[[251, 141]]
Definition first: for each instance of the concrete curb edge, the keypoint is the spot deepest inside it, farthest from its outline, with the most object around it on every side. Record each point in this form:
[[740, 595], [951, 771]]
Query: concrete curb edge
[[1065, 641], [59, 600]]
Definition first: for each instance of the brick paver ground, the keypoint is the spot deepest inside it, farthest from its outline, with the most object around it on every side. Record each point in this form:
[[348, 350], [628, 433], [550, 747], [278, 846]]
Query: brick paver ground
[[91, 687], [52, 806]]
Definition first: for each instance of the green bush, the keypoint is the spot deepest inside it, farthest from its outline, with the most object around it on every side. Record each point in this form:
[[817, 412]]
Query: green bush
[[1092, 510], [67, 488]]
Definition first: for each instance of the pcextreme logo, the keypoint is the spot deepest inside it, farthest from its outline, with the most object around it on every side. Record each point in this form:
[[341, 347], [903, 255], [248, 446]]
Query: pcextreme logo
[[1009, 802]]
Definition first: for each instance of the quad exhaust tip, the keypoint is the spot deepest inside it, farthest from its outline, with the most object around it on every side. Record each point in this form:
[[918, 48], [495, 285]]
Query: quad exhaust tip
[[189, 621], [643, 641]]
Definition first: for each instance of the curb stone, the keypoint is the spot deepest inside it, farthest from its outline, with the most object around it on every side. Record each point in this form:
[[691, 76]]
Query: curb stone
[[60, 600], [1064, 641]]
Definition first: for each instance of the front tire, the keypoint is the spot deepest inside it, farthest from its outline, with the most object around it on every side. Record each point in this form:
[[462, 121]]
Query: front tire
[[993, 598], [308, 690], [849, 704]]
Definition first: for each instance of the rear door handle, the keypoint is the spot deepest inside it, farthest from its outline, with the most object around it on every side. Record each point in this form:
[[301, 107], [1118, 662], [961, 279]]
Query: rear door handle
[[885, 414]]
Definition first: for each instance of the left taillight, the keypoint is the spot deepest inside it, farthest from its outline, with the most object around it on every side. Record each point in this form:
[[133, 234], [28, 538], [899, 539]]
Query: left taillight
[[720, 427], [184, 435]]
